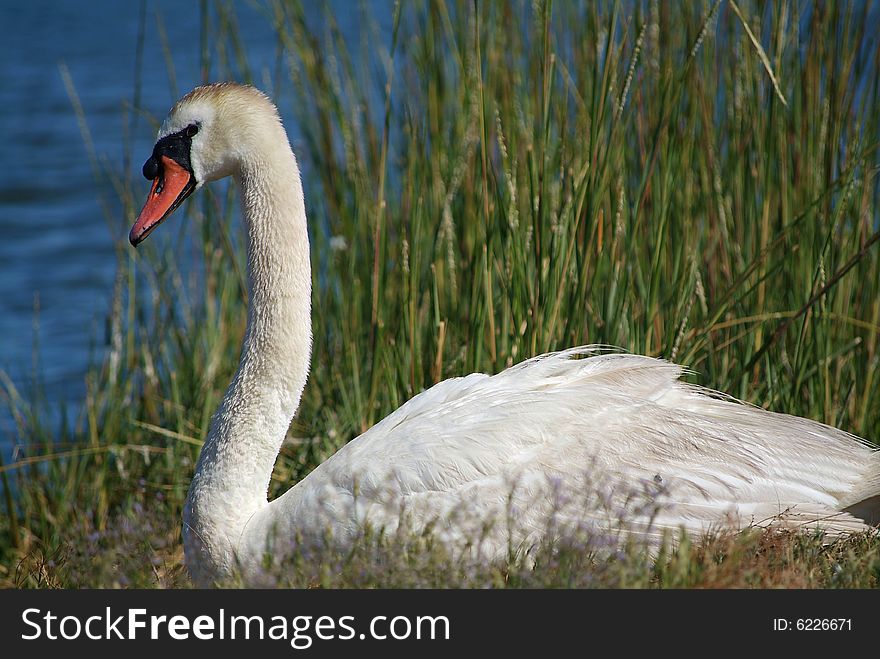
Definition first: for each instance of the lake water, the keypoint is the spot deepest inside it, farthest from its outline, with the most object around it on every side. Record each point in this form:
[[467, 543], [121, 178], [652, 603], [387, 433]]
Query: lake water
[[56, 254]]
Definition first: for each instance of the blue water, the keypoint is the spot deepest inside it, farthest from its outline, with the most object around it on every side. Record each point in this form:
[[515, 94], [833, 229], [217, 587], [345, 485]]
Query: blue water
[[57, 259]]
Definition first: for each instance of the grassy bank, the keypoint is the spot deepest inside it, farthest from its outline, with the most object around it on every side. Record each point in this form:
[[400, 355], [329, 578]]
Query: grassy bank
[[697, 182]]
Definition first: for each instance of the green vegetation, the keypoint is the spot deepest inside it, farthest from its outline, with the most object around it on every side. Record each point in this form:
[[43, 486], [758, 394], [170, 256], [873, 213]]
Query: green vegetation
[[493, 182]]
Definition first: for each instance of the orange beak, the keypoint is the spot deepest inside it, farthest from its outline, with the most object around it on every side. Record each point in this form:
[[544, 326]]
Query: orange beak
[[173, 184]]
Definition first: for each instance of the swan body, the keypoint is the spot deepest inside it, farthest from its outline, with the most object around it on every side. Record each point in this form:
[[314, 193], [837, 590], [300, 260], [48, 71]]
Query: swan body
[[570, 439]]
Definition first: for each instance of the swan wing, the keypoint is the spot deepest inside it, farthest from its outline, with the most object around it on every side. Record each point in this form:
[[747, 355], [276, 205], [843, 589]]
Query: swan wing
[[622, 426]]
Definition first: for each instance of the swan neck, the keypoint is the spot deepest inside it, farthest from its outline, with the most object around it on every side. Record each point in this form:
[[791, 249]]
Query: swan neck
[[235, 467]]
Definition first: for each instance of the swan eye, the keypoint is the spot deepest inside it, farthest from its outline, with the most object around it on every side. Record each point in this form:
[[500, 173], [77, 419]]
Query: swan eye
[[151, 169], [191, 130]]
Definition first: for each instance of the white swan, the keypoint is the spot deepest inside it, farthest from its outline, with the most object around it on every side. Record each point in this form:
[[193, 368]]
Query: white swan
[[548, 430]]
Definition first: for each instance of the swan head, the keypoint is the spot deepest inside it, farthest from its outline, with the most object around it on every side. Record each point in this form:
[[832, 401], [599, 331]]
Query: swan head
[[206, 136]]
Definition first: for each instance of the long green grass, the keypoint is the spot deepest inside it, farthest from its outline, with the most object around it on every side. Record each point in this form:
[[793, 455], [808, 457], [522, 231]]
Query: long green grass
[[492, 180]]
